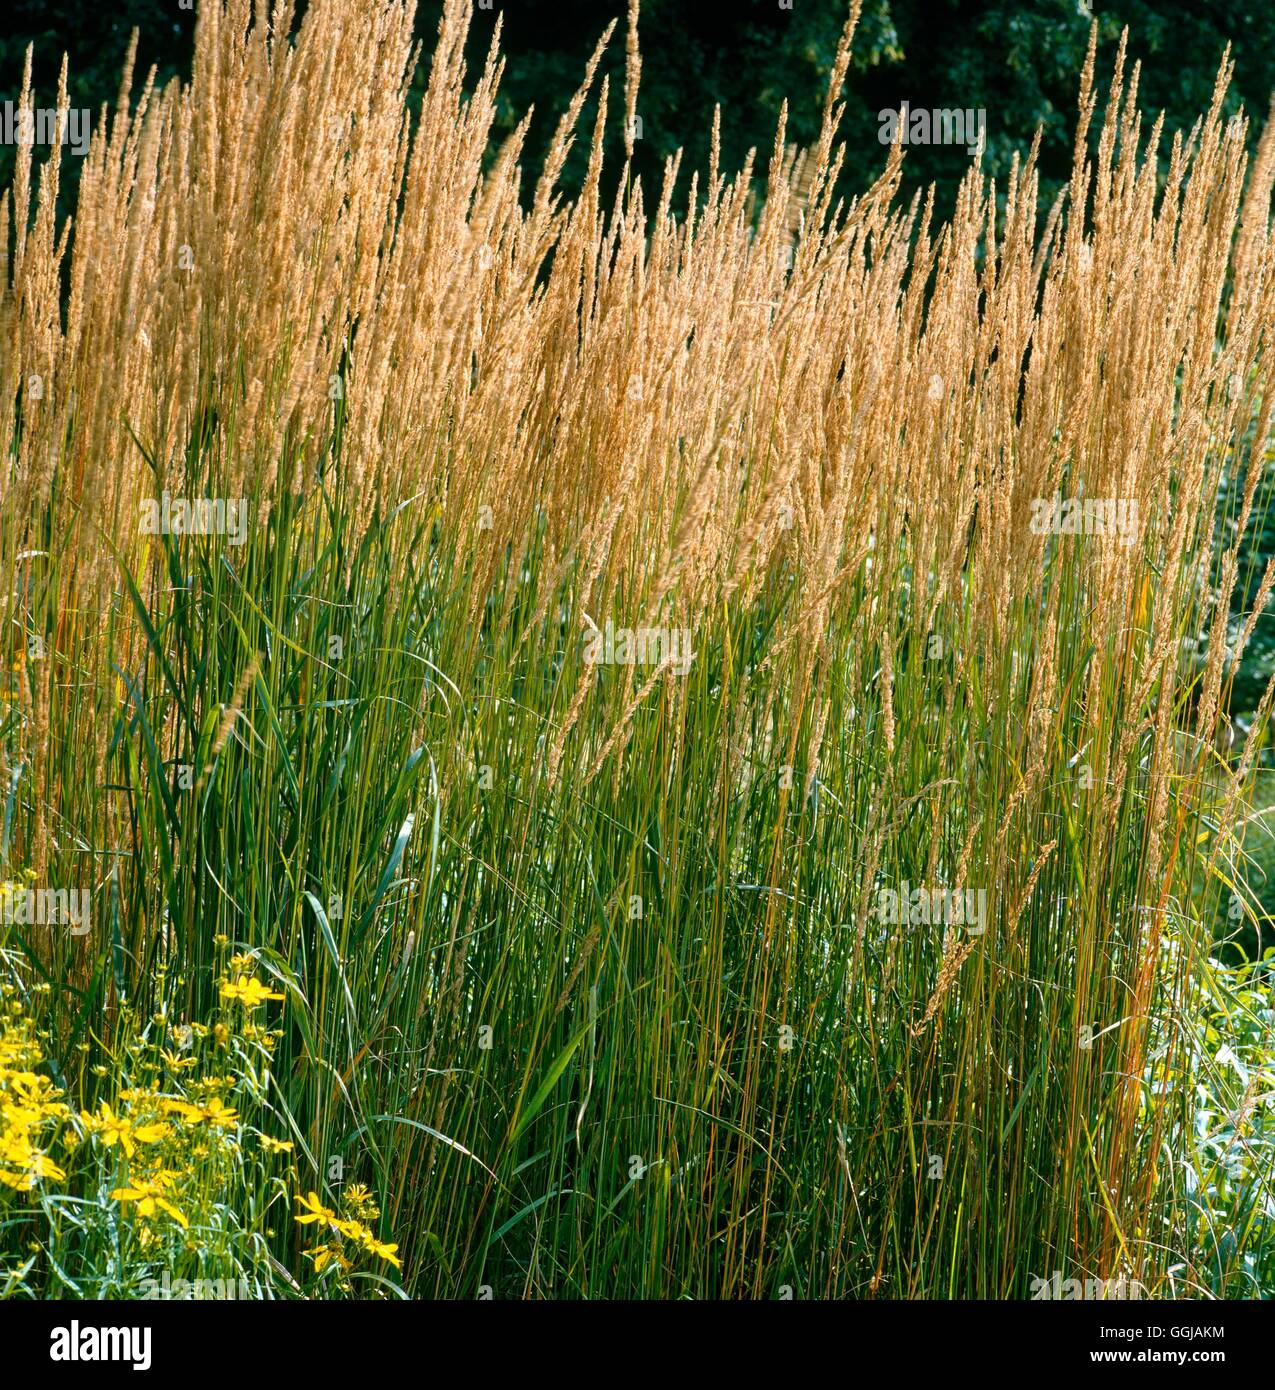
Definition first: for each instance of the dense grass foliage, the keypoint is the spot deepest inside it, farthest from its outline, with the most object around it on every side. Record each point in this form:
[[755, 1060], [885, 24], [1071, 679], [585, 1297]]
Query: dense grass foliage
[[686, 822]]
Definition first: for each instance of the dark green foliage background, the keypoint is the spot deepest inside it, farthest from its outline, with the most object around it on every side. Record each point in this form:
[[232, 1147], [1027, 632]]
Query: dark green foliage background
[[1018, 59]]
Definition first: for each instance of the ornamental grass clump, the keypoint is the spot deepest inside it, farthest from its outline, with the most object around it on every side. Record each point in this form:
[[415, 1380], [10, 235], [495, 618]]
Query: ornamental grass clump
[[705, 707]]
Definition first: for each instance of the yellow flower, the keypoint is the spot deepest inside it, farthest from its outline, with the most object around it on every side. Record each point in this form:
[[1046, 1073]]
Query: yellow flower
[[315, 1210], [21, 1164], [110, 1128], [139, 1095], [119, 1129], [389, 1253], [248, 990], [37, 1094], [275, 1146], [324, 1254], [149, 1197], [216, 1113], [46, 1168], [192, 1114]]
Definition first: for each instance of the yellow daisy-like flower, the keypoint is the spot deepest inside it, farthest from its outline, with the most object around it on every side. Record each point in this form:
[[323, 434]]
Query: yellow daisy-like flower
[[113, 1129], [191, 1114], [149, 1198], [37, 1094], [139, 1095], [315, 1210], [109, 1127], [219, 1114], [323, 1255], [275, 1146], [248, 991], [21, 1165], [388, 1253]]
